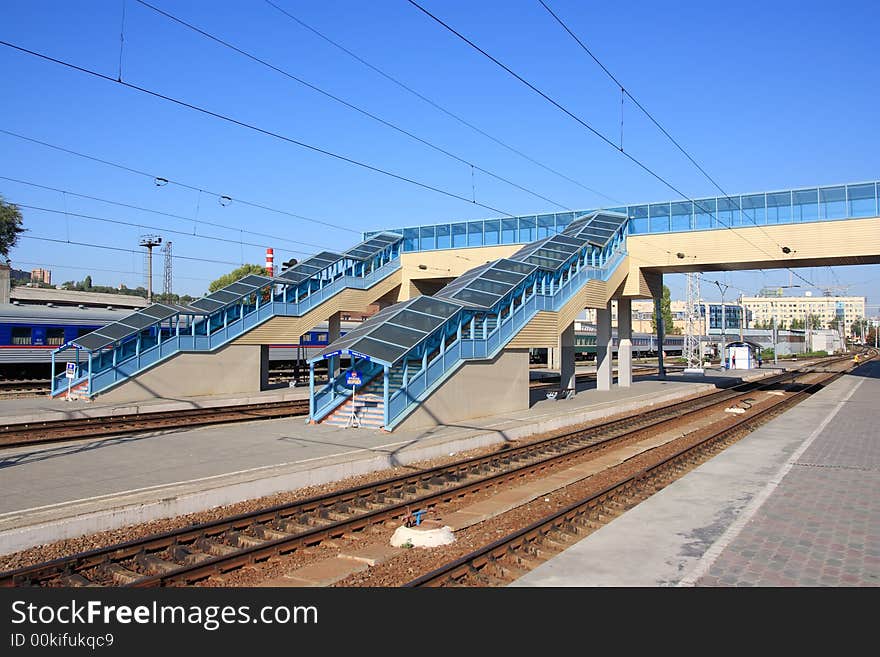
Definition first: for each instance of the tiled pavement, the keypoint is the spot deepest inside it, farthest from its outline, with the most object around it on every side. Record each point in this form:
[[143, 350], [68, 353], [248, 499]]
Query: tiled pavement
[[794, 504], [822, 525]]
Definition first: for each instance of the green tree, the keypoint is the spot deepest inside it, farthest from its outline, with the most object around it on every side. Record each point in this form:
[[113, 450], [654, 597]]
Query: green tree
[[666, 312], [87, 283], [234, 275], [10, 227]]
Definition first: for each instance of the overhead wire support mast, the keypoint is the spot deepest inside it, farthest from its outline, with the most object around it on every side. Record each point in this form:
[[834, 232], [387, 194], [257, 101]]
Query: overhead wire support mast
[[253, 127]]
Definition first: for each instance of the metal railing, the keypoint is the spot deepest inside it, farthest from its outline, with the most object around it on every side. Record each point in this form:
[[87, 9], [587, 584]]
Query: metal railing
[[106, 373]]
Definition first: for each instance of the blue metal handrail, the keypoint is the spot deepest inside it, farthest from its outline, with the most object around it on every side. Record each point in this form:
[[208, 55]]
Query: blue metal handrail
[[418, 384], [107, 374]]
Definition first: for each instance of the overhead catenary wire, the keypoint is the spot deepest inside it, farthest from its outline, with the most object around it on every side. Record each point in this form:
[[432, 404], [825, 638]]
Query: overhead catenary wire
[[579, 120], [157, 212], [56, 265], [439, 107], [250, 126], [351, 106], [176, 256], [161, 180], [624, 90], [150, 227]]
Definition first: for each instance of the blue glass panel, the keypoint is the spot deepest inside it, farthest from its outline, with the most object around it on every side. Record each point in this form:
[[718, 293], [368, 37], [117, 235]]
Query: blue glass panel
[[779, 208], [806, 205], [459, 235], [753, 210], [660, 218], [492, 229], [565, 218], [508, 231], [546, 225], [704, 213], [728, 212], [832, 203], [638, 219], [444, 241], [681, 216], [527, 229], [862, 200], [475, 233], [426, 238], [410, 239]]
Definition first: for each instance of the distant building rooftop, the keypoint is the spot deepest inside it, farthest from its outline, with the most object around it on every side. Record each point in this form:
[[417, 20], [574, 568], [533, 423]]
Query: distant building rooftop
[[44, 295]]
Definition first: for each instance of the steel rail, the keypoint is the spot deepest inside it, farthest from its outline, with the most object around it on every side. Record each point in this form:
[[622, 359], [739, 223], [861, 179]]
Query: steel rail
[[365, 496], [503, 548]]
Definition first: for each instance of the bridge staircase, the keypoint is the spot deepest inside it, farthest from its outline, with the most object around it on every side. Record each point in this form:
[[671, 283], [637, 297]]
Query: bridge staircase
[[310, 291], [420, 343]]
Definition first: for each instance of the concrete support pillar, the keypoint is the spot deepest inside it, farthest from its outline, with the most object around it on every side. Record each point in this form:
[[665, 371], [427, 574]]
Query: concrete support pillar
[[566, 358], [553, 361], [603, 348], [624, 347], [334, 324]]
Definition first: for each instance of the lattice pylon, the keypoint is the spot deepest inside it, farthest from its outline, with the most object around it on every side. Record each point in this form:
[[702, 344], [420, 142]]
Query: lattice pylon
[[167, 286], [693, 325]]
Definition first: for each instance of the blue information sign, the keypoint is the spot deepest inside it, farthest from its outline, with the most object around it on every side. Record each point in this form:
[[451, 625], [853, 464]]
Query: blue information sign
[[71, 371], [358, 354], [335, 353], [353, 378]]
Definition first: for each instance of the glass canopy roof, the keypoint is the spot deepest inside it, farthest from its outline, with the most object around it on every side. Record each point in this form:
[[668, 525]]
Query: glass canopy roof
[[390, 333], [483, 286], [597, 227], [367, 249], [132, 324], [550, 253], [309, 267]]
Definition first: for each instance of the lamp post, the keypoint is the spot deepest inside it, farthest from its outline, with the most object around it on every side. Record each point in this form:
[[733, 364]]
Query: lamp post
[[723, 288]]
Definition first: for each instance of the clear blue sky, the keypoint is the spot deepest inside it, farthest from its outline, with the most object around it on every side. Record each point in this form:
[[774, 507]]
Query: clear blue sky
[[764, 95]]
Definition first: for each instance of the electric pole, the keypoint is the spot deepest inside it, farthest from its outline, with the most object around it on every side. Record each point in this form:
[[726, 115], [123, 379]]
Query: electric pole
[[149, 241], [722, 287]]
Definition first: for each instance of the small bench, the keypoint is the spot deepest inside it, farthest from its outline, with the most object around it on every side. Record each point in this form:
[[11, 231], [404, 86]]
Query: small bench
[[560, 394]]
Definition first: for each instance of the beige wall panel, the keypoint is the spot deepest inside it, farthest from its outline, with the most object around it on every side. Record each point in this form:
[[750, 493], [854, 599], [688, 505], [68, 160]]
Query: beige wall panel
[[230, 369], [853, 241], [446, 263], [477, 389], [287, 330], [540, 332]]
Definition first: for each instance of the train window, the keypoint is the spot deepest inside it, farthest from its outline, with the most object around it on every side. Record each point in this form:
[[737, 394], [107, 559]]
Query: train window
[[83, 331], [322, 337], [55, 336], [21, 335]]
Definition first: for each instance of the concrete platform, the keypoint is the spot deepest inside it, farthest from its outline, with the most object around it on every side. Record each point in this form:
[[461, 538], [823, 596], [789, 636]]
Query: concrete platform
[[86, 486], [796, 503], [41, 409]]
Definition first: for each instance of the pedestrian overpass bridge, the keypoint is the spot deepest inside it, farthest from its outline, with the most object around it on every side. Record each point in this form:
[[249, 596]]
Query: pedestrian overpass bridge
[[463, 302]]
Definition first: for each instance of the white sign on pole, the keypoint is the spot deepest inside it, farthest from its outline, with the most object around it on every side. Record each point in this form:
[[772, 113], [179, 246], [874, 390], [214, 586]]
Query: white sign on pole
[[71, 371]]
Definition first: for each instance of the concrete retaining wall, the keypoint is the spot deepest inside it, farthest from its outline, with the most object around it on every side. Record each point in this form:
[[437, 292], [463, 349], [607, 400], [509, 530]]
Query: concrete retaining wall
[[229, 370], [476, 390]]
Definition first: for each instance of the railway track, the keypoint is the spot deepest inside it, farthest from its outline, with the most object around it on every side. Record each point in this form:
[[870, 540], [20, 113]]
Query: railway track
[[199, 552], [11, 388], [506, 559], [50, 431]]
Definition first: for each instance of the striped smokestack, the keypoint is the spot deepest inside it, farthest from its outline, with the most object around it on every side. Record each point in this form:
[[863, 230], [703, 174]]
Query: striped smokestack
[[270, 262]]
